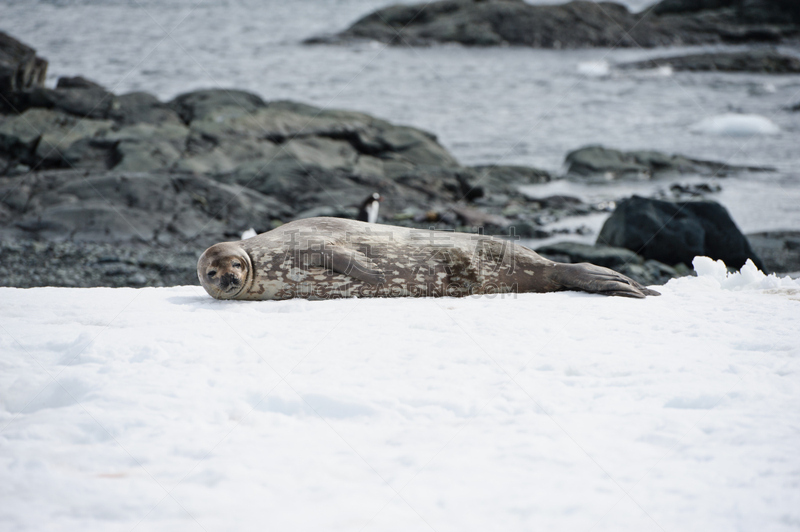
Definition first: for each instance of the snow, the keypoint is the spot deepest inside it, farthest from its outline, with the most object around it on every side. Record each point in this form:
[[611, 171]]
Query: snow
[[162, 409], [736, 125]]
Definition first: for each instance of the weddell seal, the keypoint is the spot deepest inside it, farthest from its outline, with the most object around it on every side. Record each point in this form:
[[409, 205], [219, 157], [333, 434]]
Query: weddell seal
[[325, 258]]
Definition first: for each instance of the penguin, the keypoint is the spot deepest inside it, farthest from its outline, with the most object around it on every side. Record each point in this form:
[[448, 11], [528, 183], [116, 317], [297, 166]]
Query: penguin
[[369, 208]]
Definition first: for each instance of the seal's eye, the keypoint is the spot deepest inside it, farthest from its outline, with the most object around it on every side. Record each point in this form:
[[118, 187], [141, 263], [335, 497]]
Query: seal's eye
[[236, 265], [212, 273]]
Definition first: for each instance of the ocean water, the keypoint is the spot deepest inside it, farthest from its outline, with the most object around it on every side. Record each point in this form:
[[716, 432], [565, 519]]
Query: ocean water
[[495, 105]]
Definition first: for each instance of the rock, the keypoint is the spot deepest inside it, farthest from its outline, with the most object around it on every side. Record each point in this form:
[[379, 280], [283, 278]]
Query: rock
[[780, 250], [197, 105], [753, 11], [690, 6], [675, 233], [622, 260], [130, 208], [599, 163], [499, 179], [43, 137], [574, 24], [143, 107], [77, 82], [82, 102], [144, 146], [763, 61], [610, 257], [20, 69], [678, 191]]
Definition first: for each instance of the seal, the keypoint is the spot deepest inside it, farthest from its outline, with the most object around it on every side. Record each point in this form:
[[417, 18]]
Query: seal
[[325, 258]]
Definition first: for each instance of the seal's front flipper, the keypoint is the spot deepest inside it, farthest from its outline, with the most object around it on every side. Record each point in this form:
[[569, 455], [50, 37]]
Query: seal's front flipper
[[351, 263], [598, 280]]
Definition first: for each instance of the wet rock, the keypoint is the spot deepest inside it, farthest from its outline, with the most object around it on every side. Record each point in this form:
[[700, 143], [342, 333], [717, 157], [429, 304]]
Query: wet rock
[[574, 24], [674, 233], [780, 250], [599, 163], [762, 61]]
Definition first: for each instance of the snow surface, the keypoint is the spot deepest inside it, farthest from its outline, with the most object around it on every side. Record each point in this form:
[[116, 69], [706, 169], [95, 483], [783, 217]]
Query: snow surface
[[163, 409], [736, 125]]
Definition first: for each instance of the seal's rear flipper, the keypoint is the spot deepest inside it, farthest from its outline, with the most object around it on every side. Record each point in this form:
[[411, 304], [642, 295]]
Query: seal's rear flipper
[[598, 280], [353, 264]]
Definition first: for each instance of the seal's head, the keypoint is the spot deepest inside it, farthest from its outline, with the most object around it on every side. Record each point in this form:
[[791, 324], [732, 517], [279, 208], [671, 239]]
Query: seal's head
[[225, 270]]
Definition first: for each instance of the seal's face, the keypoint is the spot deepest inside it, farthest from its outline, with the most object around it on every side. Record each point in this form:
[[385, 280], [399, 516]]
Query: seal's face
[[224, 270]]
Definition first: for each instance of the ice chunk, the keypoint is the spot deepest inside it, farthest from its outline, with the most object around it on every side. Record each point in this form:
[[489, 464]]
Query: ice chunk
[[715, 273], [736, 125], [594, 69]]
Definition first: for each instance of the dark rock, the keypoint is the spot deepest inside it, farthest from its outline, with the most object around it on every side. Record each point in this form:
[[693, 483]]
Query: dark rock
[[764, 61], [574, 24], [197, 105], [780, 250], [750, 11], [675, 233], [690, 6], [94, 102], [77, 82], [622, 260], [20, 69], [597, 162]]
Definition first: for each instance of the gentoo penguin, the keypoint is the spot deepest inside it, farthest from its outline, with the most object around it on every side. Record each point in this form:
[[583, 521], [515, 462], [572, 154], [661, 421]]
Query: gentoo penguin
[[369, 208]]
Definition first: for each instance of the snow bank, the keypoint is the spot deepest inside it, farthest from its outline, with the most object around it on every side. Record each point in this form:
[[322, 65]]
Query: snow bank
[[736, 125], [162, 409]]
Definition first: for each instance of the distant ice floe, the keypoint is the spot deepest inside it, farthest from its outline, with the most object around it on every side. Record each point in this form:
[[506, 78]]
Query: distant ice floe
[[713, 274], [594, 69], [250, 233], [736, 125]]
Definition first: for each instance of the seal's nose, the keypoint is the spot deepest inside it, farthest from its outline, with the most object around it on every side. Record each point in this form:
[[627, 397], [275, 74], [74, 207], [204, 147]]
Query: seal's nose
[[228, 280]]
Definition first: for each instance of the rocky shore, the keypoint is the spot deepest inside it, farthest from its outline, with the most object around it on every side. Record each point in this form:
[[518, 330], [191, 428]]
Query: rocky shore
[[100, 189], [576, 24]]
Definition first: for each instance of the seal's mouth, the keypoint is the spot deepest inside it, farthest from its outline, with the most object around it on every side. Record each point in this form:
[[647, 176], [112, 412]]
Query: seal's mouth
[[230, 282]]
